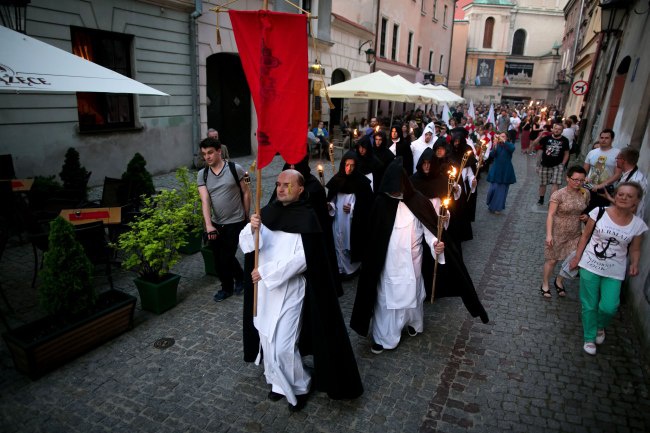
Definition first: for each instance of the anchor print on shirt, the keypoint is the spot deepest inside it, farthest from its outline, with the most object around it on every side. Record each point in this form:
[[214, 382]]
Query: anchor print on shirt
[[602, 254]]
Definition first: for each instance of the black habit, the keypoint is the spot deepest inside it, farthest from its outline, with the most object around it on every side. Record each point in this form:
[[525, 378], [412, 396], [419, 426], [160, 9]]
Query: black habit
[[323, 333]]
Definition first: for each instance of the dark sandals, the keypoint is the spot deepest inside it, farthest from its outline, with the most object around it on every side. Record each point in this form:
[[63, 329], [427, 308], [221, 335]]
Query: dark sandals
[[545, 293], [560, 290]]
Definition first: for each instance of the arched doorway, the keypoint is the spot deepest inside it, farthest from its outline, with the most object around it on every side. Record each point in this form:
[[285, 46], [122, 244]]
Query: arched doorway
[[229, 102], [338, 76]]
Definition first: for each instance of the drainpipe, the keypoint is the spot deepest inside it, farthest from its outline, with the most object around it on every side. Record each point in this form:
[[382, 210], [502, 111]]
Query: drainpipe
[[586, 98], [577, 36], [194, 77]]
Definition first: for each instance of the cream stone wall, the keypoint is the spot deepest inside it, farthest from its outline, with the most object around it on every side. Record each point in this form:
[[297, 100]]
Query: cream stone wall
[[542, 32]]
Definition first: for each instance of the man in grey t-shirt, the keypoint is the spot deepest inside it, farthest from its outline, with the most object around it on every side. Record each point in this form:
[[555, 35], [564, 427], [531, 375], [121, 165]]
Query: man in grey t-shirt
[[225, 202]]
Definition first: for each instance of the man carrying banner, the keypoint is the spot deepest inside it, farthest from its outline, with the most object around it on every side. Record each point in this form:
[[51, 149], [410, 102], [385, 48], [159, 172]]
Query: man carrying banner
[[297, 309]]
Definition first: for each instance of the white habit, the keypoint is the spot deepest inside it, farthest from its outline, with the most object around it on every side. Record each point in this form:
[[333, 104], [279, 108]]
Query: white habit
[[280, 295], [400, 290], [342, 227]]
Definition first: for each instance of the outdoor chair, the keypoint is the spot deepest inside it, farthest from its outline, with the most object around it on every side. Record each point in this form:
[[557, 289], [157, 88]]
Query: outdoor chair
[[7, 167], [92, 237], [4, 238]]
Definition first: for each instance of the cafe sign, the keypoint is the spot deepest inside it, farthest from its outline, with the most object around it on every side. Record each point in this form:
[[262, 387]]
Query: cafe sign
[[20, 81]]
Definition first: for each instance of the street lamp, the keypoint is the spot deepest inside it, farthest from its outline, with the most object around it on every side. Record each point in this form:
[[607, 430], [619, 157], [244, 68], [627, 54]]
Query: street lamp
[[13, 14], [370, 53], [613, 13]]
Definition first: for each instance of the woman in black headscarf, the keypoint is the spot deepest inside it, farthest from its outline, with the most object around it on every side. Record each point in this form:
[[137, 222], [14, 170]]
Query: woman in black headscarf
[[367, 163], [460, 226], [349, 198], [400, 145]]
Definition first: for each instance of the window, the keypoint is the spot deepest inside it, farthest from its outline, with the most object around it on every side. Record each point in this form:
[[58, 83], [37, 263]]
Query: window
[[430, 60], [382, 43], [104, 111], [408, 53], [440, 68], [393, 53], [487, 32], [444, 17], [518, 42], [417, 59], [435, 10]]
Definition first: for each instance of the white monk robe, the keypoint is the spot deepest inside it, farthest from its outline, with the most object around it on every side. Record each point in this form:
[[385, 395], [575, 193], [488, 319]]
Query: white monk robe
[[280, 295], [418, 146], [400, 291], [342, 227]]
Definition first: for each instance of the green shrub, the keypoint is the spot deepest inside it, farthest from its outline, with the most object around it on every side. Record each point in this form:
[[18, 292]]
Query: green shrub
[[66, 286], [151, 245], [189, 195], [140, 179], [73, 175]]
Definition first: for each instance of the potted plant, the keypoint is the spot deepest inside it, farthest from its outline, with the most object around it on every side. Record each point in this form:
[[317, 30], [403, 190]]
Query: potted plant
[[74, 176], [151, 247], [138, 178], [78, 319], [189, 195]]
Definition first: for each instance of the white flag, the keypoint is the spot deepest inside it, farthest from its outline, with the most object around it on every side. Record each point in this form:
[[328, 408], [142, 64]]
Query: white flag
[[490, 117], [470, 111]]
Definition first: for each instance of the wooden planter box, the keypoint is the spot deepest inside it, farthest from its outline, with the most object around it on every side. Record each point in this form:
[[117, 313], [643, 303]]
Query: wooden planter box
[[35, 356], [158, 297]]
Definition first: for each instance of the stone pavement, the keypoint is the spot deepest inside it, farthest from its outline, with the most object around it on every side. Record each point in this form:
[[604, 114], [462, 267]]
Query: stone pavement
[[525, 371]]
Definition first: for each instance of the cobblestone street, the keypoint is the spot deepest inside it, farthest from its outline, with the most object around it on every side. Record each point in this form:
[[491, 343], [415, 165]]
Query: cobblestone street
[[524, 371]]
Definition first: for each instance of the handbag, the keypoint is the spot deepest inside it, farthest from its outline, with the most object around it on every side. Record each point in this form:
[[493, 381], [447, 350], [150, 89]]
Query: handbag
[[565, 271]]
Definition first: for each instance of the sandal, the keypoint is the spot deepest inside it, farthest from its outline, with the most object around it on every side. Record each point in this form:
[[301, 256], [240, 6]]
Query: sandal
[[545, 293], [560, 290]]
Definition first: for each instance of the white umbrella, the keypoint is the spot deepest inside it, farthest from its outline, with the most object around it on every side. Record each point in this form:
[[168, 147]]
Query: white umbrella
[[377, 85], [442, 95], [29, 65]]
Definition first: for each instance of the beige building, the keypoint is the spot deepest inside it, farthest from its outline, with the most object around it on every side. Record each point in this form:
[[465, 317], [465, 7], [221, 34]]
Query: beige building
[[511, 50], [579, 49]]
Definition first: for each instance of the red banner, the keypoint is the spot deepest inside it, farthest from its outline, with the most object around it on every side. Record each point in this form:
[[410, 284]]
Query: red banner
[[273, 51]]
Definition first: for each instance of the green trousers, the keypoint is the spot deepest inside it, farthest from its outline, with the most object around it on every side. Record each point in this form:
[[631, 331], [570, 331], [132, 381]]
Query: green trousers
[[600, 297]]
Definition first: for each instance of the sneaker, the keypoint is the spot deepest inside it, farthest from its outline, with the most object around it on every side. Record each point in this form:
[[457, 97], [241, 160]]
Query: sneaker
[[221, 295], [239, 287], [274, 396], [600, 337], [376, 348], [590, 348], [412, 332], [540, 202]]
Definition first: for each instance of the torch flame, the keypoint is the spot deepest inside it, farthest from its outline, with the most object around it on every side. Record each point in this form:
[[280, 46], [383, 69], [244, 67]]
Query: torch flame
[[452, 172], [377, 128], [320, 169], [445, 202], [356, 132]]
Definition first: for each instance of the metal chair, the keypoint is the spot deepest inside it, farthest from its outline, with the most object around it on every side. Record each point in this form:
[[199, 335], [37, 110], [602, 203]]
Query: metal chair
[[7, 167], [92, 237]]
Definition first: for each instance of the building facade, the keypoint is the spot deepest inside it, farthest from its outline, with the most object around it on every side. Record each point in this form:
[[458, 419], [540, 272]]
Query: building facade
[[148, 41], [512, 50]]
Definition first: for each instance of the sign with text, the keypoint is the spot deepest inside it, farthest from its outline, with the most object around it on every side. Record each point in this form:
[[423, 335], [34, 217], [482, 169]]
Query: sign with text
[[519, 73]]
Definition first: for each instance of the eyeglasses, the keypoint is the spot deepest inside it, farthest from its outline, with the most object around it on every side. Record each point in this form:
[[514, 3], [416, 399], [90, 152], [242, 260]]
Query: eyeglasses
[[577, 180]]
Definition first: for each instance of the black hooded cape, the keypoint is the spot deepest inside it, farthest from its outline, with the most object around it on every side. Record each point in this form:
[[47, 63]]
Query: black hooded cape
[[381, 226], [323, 333]]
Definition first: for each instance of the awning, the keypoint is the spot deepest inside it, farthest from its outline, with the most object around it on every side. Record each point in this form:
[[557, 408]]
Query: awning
[[29, 65]]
